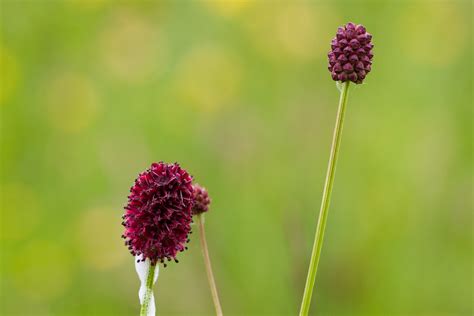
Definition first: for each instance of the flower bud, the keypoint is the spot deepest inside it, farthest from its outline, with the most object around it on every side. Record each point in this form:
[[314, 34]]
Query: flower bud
[[201, 200], [350, 58]]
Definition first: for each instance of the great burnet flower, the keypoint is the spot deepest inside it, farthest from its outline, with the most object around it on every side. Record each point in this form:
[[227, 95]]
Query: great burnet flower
[[201, 206], [158, 213], [201, 200], [350, 58]]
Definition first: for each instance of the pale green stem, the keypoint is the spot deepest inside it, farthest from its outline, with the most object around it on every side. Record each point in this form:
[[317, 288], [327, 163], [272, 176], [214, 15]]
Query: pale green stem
[[323, 213], [149, 290], [207, 262]]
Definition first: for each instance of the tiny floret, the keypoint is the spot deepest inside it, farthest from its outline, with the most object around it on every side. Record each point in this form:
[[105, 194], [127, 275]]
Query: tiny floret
[[201, 200], [158, 214], [350, 58]]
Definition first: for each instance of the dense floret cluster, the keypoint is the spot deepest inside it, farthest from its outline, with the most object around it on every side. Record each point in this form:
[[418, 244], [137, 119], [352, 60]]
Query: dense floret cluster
[[201, 200], [158, 214], [350, 58]]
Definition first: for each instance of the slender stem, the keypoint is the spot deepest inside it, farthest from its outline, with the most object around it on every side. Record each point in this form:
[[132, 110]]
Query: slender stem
[[207, 262], [149, 290], [323, 213]]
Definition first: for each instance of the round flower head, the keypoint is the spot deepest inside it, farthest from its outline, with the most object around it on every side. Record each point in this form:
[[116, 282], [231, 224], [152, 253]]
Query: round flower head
[[350, 58], [201, 200], [158, 215]]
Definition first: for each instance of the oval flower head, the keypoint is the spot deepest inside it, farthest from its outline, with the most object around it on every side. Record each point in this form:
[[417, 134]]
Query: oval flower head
[[350, 58], [158, 214]]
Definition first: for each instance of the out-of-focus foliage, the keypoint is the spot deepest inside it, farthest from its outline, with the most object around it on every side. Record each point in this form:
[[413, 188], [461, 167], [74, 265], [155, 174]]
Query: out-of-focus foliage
[[92, 92]]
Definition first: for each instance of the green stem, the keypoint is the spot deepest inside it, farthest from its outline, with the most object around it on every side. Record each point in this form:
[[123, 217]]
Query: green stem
[[323, 213], [207, 262], [149, 290]]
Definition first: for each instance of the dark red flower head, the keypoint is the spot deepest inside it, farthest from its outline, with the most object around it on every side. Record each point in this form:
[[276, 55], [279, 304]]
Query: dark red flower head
[[201, 200], [350, 58], [158, 214]]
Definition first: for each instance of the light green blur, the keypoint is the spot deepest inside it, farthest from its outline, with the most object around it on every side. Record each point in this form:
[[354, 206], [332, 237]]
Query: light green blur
[[92, 92]]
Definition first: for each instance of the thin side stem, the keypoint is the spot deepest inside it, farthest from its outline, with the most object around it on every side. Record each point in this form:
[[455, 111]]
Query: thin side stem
[[149, 290], [323, 213], [207, 262]]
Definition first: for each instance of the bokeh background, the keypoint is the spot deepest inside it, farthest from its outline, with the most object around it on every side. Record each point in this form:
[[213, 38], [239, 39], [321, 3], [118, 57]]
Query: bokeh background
[[238, 92]]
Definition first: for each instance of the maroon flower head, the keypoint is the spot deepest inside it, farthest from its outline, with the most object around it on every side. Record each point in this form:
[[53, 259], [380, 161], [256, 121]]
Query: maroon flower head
[[350, 58], [158, 214], [201, 200]]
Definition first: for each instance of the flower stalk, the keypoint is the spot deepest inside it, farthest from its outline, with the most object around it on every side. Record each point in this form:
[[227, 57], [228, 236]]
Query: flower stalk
[[148, 274], [144, 310], [207, 262], [323, 214]]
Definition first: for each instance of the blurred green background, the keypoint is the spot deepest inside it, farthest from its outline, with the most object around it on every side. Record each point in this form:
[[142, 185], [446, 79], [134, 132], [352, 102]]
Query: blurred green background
[[92, 92]]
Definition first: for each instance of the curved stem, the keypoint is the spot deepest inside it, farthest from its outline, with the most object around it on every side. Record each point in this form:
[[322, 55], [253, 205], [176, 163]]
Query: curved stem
[[323, 213], [207, 262], [149, 290]]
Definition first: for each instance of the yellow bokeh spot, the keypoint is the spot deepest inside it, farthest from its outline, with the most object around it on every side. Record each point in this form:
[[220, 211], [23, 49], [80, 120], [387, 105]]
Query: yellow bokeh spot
[[71, 102], [434, 34], [118, 163], [295, 27], [98, 234], [296, 31], [132, 49], [19, 211], [9, 75], [41, 270], [208, 78], [87, 4], [227, 7]]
